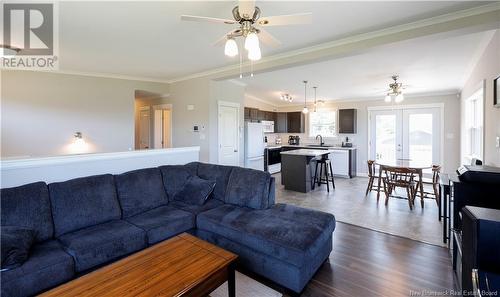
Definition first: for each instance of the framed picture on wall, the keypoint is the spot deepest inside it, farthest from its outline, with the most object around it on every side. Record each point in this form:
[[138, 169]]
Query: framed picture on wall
[[496, 91]]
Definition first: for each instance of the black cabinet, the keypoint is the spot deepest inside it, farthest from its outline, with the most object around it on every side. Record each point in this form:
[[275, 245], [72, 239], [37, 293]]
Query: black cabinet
[[347, 121], [295, 122], [280, 126]]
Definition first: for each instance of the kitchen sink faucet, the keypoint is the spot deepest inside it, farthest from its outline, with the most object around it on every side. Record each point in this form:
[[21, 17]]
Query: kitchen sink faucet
[[321, 143]]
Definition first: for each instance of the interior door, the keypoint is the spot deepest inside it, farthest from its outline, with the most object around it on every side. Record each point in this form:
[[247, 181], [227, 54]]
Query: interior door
[[229, 135], [385, 135], [144, 120]]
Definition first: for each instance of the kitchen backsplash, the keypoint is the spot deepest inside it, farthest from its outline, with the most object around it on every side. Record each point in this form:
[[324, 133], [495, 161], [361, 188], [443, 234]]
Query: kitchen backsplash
[[271, 139]]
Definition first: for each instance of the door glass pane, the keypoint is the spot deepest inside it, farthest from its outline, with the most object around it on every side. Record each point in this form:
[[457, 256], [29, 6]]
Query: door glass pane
[[385, 137], [420, 137]]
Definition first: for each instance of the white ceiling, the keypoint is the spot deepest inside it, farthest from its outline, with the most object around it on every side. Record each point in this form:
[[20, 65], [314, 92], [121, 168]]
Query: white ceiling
[[437, 64], [147, 39]]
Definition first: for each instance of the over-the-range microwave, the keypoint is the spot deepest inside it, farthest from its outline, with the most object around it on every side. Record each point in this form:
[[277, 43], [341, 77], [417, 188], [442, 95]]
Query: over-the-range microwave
[[268, 126]]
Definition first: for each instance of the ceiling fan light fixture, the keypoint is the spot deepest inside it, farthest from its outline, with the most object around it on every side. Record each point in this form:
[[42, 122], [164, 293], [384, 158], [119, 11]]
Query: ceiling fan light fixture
[[231, 48], [388, 98], [252, 41], [399, 98], [254, 54]]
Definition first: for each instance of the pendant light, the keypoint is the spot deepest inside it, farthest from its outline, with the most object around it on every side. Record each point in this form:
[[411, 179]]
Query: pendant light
[[305, 110], [315, 102]]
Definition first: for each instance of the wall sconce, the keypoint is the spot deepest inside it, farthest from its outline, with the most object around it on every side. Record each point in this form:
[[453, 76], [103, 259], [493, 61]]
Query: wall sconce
[[79, 145]]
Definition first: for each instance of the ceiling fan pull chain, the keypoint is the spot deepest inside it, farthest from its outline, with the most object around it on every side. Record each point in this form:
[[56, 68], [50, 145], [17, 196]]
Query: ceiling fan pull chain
[[251, 68], [241, 58]]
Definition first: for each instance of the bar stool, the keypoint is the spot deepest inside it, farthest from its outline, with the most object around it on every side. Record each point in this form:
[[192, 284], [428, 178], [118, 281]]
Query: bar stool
[[324, 164]]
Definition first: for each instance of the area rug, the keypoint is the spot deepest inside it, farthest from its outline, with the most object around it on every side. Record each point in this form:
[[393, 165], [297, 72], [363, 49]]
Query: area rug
[[246, 287]]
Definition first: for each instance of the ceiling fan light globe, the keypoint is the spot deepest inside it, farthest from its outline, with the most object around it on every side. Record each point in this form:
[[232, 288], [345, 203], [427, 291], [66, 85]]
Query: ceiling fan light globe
[[251, 41], [231, 48], [254, 54], [387, 98], [399, 98]]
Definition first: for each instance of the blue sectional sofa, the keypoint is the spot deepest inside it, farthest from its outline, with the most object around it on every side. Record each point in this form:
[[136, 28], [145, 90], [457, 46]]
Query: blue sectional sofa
[[85, 223]]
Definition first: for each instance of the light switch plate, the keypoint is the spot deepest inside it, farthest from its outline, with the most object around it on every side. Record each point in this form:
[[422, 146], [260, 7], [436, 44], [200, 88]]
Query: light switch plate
[[190, 107]]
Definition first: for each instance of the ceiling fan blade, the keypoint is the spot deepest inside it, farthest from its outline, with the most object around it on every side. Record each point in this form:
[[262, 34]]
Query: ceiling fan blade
[[194, 18], [268, 39], [221, 41], [283, 20], [246, 8]]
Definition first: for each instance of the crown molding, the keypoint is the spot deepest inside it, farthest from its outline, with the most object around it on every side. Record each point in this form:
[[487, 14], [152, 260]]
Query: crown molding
[[95, 74], [273, 104], [433, 21]]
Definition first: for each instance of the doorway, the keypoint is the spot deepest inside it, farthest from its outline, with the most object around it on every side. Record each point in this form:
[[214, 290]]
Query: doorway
[[162, 126], [406, 132], [228, 133]]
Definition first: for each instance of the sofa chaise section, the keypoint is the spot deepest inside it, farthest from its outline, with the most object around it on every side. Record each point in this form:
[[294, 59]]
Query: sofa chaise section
[[87, 220], [48, 265], [284, 243]]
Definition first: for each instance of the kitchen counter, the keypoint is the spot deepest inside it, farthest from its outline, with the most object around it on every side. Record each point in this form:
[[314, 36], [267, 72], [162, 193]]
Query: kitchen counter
[[310, 146], [308, 152]]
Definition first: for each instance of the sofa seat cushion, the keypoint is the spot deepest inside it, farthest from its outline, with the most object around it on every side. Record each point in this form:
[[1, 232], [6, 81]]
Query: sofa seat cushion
[[28, 206], [83, 202], [163, 222], [248, 188], [103, 243], [47, 266], [140, 190], [289, 233], [196, 209]]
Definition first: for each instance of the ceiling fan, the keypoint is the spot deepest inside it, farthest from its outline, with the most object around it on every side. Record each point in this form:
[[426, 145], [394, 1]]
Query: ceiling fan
[[395, 90], [249, 23]]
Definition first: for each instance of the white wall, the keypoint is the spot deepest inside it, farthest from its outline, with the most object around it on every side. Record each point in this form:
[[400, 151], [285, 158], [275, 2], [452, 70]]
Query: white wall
[[360, 139], [41, 112], [487, 68]]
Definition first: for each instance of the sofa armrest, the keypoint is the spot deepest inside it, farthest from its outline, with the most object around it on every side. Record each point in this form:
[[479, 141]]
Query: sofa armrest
[[272, 192]]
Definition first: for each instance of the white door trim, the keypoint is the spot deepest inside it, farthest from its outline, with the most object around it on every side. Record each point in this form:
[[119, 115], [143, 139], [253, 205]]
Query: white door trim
[[221, 103], [160, 107], [439, 105]]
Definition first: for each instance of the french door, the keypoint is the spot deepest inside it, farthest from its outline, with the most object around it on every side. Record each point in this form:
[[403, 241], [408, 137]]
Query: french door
[[406, 133]]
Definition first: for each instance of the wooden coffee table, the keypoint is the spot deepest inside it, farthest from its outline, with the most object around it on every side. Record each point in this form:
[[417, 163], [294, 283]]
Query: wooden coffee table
[[181, 266]]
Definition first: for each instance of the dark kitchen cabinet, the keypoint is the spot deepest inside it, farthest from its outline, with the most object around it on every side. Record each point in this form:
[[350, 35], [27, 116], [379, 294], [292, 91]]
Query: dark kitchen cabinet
[[254, 115], [280, 125], [247, 114], [295, 122], [261, 115], [347, 121], [270, 116]]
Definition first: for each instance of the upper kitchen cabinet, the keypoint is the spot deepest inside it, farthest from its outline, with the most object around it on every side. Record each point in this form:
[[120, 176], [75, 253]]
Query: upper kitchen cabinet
[[295, 122], [280, 126], [347, 121]]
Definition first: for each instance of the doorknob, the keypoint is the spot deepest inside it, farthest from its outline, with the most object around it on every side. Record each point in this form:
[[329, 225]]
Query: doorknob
[[235, 151]]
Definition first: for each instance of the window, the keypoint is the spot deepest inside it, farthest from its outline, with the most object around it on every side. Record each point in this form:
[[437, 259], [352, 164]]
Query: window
[[323, 122], [474, 126]]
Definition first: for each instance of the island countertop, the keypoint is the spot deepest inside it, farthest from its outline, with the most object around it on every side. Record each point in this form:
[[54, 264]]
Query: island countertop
[[307, 152]]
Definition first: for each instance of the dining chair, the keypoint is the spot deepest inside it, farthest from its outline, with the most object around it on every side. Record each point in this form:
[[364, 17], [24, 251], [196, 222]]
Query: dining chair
[[372, 175], [397, 177], [434, 183]]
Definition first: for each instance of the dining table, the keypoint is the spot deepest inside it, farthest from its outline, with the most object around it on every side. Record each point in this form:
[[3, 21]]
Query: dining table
[[417, 165]]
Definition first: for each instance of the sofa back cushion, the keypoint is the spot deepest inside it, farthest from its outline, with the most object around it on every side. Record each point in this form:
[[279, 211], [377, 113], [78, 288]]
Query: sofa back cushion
[[218, 173], [175, 177], [248, 188], [140, 190], [28, 206], [83, 202]]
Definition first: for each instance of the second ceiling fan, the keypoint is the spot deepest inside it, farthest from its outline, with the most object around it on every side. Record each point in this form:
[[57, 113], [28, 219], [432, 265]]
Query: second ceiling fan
[[250, 26]]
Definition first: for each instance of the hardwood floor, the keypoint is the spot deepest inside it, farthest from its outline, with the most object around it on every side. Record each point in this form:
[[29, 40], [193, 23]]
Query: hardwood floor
[[370, 263]]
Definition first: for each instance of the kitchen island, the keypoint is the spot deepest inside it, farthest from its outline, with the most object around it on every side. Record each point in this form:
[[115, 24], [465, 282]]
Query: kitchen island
[[296, 168]]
